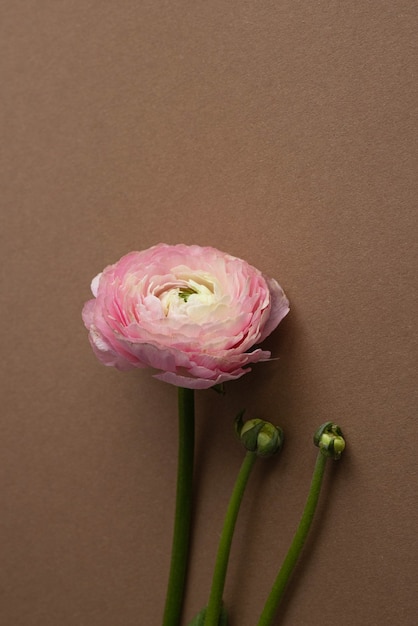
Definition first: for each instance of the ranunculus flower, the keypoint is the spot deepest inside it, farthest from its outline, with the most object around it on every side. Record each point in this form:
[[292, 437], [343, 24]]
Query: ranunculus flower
[[193, 313]]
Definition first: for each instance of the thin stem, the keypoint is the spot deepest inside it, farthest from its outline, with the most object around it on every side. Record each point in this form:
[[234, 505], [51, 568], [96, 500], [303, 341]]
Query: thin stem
[[276, 593], [183, 511], [215, 599]]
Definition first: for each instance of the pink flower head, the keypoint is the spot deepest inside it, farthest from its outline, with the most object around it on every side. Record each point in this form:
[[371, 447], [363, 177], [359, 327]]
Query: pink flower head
[[192, 313]]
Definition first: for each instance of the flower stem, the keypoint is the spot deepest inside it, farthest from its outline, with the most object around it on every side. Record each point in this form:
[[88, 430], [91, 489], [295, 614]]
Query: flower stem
[[276, 593], [215, 599], [183, 511]]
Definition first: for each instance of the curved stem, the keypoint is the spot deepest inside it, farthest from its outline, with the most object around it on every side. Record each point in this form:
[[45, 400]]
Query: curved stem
[[213, 610], [276, 593], [181, 534]]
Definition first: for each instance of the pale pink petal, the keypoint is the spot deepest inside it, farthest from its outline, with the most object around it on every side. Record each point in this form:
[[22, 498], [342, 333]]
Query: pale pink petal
[[193, 313]]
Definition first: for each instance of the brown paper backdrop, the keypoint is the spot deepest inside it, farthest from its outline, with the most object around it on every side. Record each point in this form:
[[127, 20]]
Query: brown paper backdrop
[[282, 132]]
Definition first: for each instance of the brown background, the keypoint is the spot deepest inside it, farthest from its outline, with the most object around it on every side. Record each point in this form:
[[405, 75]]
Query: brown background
[[281, 132]]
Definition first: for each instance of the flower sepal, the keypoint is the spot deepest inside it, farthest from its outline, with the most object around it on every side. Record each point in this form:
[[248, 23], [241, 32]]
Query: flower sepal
[[199, 620], [259, 436], [329, 439]]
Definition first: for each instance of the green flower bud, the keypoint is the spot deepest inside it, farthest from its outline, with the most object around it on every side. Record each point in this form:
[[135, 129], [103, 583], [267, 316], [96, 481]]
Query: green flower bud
[[259, 436], [329, 439]]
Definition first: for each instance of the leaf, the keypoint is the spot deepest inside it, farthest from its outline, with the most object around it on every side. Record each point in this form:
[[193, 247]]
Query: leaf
[[199, 620], [223, 619]]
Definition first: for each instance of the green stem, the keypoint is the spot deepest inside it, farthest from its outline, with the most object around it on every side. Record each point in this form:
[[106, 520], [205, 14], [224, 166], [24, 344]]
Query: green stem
[[276, 593], [181, 534], [215, 599]]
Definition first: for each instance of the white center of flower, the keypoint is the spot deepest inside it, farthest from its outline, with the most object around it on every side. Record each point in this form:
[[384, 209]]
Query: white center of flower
[[188, 298]]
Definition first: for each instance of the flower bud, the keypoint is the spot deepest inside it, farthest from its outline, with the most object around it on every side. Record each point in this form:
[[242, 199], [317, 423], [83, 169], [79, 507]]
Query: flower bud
[[329, 439], [259, 436]]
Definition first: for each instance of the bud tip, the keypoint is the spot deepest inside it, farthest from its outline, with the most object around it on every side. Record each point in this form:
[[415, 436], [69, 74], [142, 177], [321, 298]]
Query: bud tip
[[330, 440]]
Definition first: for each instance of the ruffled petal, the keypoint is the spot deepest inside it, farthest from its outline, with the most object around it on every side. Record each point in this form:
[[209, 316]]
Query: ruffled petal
[[193, 313]]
